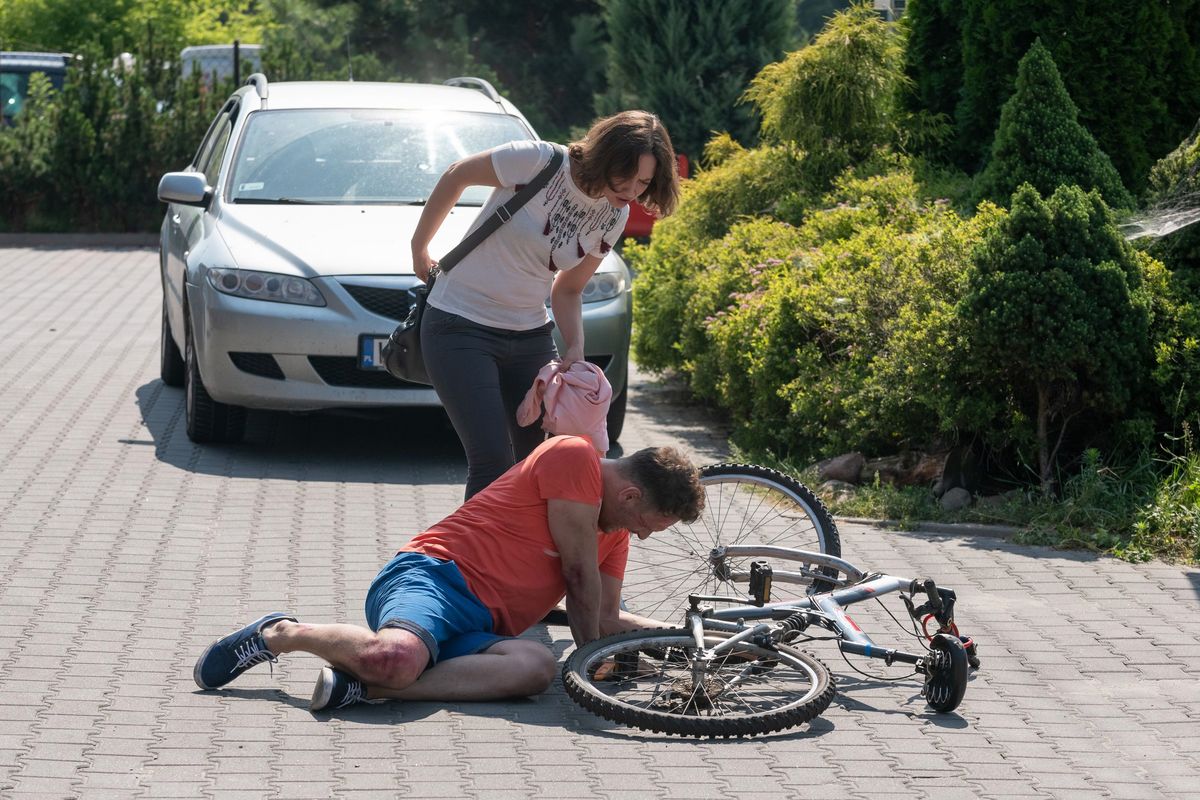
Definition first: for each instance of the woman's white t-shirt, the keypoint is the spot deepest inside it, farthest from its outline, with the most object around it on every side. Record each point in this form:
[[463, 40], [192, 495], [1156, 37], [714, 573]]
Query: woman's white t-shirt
[[505, 280]]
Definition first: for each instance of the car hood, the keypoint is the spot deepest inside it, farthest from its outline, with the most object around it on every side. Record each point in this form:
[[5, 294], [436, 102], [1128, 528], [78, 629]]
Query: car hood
[[315, 241]]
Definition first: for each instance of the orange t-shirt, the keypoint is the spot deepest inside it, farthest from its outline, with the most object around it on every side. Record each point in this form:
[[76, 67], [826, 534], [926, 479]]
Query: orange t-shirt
[[500, 538]]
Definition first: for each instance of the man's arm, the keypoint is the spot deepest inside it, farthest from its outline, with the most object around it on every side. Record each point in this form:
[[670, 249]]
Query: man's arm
[[614, 619], [573, 528]]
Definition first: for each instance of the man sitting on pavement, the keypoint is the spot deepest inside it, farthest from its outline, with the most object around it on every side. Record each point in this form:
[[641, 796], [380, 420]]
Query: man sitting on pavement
[[443, 613]]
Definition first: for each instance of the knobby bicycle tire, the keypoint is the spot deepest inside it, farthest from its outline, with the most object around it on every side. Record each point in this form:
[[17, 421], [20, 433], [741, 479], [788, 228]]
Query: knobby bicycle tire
[[735, 698], [746, 504]]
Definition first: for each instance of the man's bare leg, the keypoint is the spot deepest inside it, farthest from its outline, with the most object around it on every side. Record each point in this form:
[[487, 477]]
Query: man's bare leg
[[392, 662], [394, 656], [509, 668]]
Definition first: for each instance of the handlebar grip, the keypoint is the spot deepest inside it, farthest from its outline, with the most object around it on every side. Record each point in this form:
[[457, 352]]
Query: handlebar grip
[[935, 599]]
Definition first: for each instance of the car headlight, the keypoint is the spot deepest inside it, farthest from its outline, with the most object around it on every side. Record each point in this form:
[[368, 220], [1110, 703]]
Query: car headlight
[[603, 286], [265, 286]]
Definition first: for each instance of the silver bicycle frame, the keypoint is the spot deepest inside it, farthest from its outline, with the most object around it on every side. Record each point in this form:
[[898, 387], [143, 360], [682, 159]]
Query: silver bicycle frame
[[829, 605]]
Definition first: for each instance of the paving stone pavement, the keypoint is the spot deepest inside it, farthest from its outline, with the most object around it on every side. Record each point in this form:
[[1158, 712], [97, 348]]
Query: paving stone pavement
[[124, 550]]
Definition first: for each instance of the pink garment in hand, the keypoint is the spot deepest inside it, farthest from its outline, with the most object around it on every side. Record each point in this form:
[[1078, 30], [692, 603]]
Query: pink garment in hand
[[576, 402]]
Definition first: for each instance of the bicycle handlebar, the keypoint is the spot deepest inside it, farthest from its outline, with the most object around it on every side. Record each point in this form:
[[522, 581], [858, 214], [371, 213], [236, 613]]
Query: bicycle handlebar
[[940, 604], [931, 591]]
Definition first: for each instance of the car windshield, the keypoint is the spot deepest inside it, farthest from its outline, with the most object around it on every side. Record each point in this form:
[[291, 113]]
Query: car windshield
[[357, 156], [14, 87]]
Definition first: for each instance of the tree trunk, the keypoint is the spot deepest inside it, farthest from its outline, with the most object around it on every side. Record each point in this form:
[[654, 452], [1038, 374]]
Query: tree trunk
[[1045, 461]]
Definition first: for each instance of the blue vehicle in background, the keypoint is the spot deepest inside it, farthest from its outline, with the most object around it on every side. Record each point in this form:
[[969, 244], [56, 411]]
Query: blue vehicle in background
[[15, 69]]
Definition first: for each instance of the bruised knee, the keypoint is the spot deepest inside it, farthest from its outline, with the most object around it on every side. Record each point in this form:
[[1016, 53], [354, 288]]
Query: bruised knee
[[391, 660]]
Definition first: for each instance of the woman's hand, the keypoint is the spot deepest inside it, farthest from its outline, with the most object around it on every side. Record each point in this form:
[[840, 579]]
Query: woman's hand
[[422, 263], [571, 355], [476, 170]]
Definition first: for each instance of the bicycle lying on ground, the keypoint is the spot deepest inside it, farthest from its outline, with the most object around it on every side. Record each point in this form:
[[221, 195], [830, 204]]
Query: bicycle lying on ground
[[736, 671]]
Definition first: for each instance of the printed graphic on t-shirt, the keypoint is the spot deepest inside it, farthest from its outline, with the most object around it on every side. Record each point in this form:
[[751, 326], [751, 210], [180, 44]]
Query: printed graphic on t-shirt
[[569, 222]]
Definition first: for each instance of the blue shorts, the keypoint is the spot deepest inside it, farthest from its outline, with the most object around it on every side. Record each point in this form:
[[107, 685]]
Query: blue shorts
[[429, 597]]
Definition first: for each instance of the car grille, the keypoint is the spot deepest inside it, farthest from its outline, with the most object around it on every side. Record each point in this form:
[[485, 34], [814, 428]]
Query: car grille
[[344, 371], [263, 365], [391, 303]]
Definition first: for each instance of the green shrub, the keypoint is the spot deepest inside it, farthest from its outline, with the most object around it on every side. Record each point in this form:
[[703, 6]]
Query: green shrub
[[89, 157], [26, 152], [1056, 318], [1169, 525], [748, 183], [726, 270], [839, 93], [842, 345]]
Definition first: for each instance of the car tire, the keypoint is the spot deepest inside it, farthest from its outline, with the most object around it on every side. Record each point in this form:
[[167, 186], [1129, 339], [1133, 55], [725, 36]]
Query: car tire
[[616, 415], [170, 366], [208, 421]]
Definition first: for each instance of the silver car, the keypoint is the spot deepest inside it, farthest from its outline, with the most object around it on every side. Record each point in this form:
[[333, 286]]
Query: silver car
[[285, 248]]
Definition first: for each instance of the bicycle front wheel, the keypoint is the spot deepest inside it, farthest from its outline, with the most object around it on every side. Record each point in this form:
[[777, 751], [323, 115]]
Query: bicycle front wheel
[[745, 505], [657, 681]]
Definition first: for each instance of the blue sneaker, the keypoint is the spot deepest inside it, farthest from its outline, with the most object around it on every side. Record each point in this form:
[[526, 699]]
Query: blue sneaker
[[232, 655], [337, 689]]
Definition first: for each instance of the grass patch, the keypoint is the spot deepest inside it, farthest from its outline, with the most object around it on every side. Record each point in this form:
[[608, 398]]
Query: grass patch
[[1149, 508]]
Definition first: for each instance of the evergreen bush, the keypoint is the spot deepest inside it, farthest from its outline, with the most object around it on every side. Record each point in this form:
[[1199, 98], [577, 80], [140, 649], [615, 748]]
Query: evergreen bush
[[1130, 67], [1056, 318], [689, 62], [1040, 141], [839, 93], [89, 157]]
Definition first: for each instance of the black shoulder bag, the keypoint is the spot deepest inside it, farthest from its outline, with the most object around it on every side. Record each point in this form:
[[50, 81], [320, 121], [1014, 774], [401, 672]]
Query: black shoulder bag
[[402, 352]]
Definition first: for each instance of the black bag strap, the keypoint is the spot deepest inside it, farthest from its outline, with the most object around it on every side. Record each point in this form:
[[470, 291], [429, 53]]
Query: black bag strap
[[502, 214]]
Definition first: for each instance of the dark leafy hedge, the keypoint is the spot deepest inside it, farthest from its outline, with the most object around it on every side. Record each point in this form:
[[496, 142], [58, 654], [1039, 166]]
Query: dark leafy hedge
[[89, 158]]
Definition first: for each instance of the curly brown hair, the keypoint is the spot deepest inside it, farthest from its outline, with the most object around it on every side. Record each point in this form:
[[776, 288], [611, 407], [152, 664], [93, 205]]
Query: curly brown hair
[[610, 152], [668, 480]]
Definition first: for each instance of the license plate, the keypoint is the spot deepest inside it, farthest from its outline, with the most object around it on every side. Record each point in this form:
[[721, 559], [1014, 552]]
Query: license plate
[[370, 351]]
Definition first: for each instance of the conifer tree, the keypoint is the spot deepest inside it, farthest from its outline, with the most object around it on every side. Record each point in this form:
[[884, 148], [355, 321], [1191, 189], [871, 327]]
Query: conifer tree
[[838, 93], [690, 62], [1056, 316], [933, 61], [1041, 142], [1133, 70]]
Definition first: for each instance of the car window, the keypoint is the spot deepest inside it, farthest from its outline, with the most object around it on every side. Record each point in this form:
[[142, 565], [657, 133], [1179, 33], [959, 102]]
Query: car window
[[360, 156], [212, 163], [14, 87], [210, 137]]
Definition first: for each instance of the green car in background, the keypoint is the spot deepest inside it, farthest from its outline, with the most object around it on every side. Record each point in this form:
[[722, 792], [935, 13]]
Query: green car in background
[[15, 69]]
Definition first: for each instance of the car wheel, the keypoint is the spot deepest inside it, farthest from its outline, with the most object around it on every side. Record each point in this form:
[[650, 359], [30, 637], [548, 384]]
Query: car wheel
[[616, 415], [207, 420], [170, 362]]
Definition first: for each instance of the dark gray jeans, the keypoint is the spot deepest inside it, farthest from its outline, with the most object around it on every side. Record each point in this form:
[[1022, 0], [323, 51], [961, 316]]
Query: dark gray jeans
[[481, 375]]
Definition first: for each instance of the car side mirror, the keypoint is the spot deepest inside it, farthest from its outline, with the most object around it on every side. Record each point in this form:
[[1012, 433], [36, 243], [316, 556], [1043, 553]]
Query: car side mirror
[[188, 188]]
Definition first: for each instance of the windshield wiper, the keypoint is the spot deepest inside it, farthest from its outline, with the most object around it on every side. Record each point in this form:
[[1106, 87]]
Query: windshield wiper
[[277, 200]]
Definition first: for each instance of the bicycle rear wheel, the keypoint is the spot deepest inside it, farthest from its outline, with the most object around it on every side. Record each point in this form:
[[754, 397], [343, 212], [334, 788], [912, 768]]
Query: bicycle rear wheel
[[746, 505], [651, 679]]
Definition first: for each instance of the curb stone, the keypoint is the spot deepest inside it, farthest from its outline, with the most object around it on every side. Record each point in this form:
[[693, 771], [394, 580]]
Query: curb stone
[[72, 241], [950, 528]]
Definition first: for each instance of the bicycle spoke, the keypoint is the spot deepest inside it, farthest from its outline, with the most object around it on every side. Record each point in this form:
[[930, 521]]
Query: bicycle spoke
[[731, 686], [745, 505]]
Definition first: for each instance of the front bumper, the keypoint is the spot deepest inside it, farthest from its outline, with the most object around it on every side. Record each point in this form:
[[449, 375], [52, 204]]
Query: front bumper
[[314, 349]]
